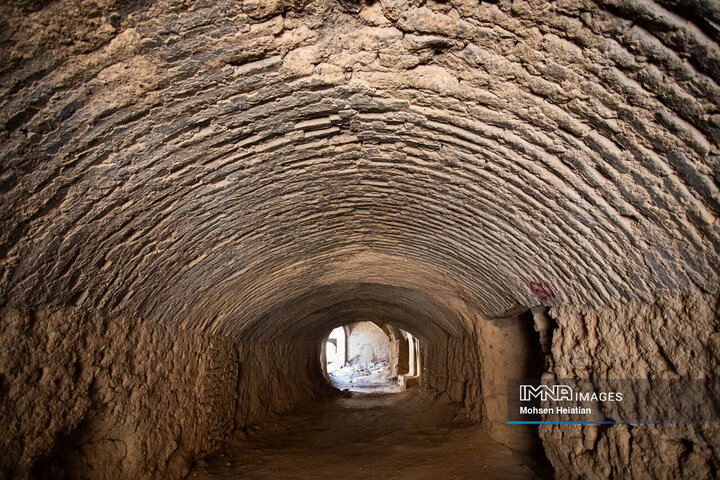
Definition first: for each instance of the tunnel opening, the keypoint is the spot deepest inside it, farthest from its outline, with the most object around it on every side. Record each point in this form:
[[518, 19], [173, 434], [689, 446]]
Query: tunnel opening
[[368, 357]]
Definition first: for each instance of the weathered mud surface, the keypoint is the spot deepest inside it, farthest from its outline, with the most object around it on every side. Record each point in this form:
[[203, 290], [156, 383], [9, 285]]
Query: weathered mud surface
[[676, 338], [88, 397]]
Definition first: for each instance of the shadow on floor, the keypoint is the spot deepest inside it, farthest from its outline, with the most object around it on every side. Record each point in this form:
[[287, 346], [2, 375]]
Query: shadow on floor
[[408, 435]]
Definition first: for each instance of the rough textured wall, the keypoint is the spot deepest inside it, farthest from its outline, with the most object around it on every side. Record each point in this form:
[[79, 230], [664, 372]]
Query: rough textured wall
[[508, 349], [474, 370], [399, 354], [452, 365], [678, 337], [273, 377], [89, 397]]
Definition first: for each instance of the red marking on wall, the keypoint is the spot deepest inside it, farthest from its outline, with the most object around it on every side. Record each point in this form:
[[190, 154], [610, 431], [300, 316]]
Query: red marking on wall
[[543, 291]]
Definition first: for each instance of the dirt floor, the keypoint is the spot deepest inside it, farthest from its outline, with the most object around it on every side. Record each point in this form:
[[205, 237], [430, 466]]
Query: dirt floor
[[408, 435]]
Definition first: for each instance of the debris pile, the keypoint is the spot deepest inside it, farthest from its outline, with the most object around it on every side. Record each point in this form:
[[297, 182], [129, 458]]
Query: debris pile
[[365, 377]]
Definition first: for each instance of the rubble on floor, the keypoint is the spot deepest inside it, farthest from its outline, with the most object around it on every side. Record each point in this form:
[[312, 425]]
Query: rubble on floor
[[365, 377]]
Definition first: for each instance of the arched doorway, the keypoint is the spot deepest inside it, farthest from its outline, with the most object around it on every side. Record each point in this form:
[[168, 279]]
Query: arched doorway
[[364, 357]]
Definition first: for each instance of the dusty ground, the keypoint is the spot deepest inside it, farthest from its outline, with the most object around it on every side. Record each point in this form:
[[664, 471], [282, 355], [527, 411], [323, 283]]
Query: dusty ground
[[368, 377], [368, 436]]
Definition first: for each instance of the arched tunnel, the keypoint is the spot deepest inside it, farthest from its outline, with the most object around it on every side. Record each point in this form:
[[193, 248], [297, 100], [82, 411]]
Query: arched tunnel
[[195, 193]]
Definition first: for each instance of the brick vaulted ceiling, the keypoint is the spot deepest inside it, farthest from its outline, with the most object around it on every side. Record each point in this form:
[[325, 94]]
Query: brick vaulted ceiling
[[265, 166]]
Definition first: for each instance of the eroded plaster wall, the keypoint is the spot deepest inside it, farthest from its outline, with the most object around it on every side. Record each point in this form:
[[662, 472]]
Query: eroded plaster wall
[[452, 365], [677, 337], [91, 397], [474, 369]]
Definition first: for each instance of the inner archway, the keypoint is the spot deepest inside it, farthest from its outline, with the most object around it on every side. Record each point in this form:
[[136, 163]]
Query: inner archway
[[366, 357]]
